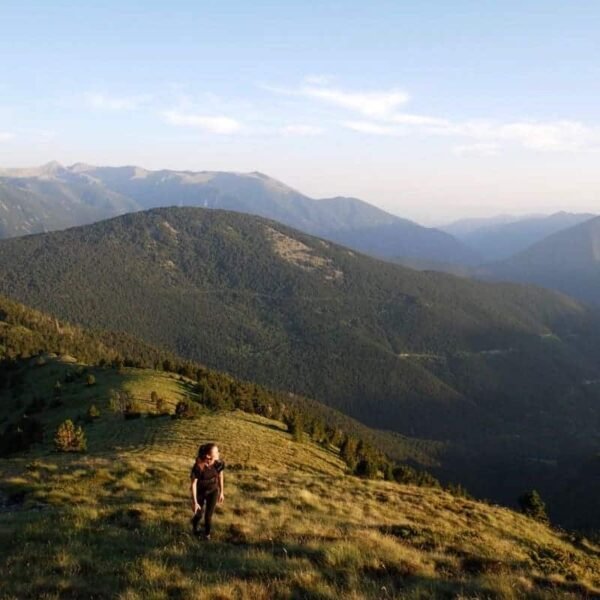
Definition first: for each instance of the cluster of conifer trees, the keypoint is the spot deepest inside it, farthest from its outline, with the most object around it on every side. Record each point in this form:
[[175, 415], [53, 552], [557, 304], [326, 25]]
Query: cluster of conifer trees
[[29, 334]]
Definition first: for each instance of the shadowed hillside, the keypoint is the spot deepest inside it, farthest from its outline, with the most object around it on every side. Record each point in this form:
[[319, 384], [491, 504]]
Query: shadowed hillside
[[114, 521], [499, 240], [568, 261]]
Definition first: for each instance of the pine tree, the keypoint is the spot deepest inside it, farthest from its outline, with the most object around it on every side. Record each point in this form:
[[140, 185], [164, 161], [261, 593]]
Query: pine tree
[[533, 506], [366, 467], [295, 425], [69, 438]]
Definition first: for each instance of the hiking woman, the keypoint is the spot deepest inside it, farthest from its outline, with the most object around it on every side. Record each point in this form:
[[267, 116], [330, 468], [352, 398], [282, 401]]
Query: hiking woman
[[206, 486]]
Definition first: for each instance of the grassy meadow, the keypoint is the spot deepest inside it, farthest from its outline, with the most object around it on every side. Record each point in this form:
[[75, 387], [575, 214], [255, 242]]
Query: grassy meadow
[[114, 522]]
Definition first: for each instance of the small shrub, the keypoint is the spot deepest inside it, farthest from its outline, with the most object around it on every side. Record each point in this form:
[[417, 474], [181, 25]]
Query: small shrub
[[90, 380], [161, 406], [533, 506], [186, 410], [408, 475], [132, 409], [366, 468], [92, 413], [295, 426], [456, 489], [69, 438]]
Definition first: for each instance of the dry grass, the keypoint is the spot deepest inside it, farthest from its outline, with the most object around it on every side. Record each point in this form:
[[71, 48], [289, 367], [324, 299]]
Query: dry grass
[[114, 523]]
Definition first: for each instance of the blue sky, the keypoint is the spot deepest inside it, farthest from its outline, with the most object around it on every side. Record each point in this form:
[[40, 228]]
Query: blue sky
[[433, 110]]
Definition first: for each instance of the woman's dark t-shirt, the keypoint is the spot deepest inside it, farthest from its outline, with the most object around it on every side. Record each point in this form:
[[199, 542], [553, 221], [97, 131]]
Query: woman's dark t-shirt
[[207, 478]]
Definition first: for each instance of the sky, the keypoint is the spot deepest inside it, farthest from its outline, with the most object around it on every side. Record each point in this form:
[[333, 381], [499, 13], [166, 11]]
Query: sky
[[432, 110]]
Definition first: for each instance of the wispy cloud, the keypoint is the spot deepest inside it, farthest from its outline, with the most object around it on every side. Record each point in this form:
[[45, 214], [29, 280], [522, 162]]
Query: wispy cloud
[[419, 120], [101, 101], [369, 103], [302, 130], [6, 136], [376, 104], [317, 79], [381, 115], [552, 135], [372, 128], [214, 124], [549, 136]]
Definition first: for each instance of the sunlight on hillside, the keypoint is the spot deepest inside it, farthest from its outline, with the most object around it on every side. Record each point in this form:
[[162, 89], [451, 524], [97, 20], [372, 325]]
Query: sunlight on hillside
[[114, 522]]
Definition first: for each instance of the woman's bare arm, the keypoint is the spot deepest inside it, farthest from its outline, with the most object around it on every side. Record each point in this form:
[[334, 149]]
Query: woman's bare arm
[[194, 497], [221, 488]]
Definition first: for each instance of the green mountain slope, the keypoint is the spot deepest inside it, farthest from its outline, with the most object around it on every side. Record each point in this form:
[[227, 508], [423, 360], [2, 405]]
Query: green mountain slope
[[53, 197], [501, 371], [269, 303], [29, 338], [114, 522], [568, 261]]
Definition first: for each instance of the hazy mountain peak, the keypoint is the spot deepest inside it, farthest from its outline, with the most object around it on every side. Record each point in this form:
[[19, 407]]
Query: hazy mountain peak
[[44, 171], [80, 167], [83, 193]]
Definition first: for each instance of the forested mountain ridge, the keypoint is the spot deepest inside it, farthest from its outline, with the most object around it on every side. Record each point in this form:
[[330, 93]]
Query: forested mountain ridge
[[503, 376], [54, 197], [30, 338], [381, 342]]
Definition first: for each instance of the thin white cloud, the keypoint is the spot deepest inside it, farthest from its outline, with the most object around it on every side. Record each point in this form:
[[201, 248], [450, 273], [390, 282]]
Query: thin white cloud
[[418, 120], [372, 128], [302, 130], [317, 79], [378, 104], [6, 136], [100, 101], [556, 135], [479, 135], [373, 104], [548, 136], [214, 124]]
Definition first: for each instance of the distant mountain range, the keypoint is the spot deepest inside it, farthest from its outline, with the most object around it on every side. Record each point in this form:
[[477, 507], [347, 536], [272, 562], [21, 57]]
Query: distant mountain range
[[468, 225], [54, 197], [506, 374], [501, 237], [568, 261], [522, 249]]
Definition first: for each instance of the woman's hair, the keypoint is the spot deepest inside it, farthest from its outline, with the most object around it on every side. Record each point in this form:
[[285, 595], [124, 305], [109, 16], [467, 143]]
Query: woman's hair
[[205, 450]]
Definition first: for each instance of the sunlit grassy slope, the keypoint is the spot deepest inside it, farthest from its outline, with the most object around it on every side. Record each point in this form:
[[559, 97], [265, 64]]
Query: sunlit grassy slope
[[114, 522]]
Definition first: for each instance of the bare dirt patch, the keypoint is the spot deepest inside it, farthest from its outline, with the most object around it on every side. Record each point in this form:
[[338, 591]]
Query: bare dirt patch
[[301, 255]]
